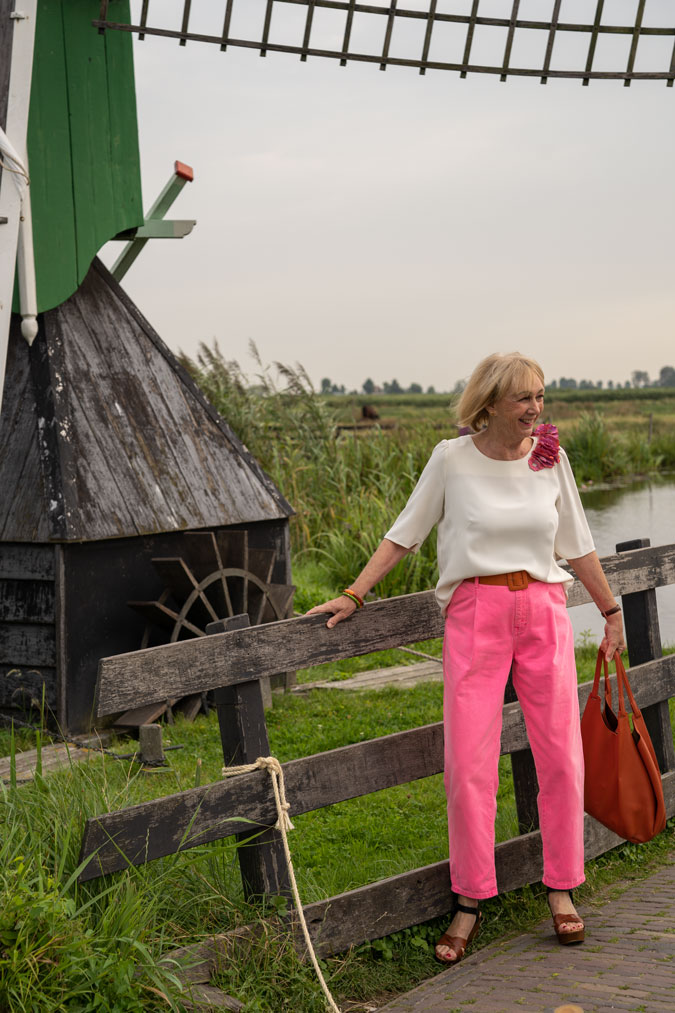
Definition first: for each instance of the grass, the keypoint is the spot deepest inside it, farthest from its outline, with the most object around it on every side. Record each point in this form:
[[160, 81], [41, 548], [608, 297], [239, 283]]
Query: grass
[[105, 938], [64, 948]]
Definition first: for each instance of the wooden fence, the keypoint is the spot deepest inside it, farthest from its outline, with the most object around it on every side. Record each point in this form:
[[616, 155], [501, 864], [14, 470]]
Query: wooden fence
[[233, 662]]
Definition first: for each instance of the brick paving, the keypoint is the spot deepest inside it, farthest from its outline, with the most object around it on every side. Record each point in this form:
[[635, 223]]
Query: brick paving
[[626, 963]]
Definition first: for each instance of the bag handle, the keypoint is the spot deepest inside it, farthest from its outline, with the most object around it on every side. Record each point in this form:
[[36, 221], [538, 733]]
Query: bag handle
[[649, 757], [601, 662], [623, 683]]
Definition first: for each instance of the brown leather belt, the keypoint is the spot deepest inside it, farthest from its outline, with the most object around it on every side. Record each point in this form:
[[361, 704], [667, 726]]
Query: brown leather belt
[[516, 581]]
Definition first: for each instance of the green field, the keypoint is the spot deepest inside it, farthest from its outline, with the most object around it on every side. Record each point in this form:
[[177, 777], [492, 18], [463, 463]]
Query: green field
[[561, 407]]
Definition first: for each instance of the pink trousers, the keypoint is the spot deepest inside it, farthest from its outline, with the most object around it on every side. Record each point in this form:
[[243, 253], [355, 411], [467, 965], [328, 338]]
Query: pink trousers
[[488, 629]]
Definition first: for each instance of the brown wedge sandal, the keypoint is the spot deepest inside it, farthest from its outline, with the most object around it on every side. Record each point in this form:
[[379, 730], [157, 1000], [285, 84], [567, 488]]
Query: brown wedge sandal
[[565, 938], [457, 943]]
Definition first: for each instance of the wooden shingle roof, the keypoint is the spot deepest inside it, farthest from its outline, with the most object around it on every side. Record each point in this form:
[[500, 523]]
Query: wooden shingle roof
[[105, 435]]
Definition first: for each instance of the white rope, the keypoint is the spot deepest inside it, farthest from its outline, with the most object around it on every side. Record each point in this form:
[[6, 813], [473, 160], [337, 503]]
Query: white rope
[[276, 772], [18, 169]]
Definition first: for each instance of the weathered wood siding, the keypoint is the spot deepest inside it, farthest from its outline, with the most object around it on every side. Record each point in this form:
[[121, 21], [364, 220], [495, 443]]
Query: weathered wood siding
[[58, 616], [27, 627], [23, 507]]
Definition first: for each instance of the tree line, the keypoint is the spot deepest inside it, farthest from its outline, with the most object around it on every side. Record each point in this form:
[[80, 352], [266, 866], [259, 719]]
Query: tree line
[[370, 387], [639, 380]]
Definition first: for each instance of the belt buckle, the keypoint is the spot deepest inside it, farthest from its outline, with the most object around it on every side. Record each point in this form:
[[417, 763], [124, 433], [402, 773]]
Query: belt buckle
[[518, 581]]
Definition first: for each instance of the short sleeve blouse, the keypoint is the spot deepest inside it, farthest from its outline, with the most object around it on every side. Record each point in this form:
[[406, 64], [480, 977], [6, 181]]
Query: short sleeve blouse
[[493, 516]]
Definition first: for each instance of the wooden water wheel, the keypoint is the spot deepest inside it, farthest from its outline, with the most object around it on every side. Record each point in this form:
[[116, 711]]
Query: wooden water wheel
[[216, 576]]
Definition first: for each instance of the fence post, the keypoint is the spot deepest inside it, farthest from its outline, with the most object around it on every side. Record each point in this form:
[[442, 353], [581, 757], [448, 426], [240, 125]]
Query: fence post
[[643, 639], [525, 783], [243, 734]]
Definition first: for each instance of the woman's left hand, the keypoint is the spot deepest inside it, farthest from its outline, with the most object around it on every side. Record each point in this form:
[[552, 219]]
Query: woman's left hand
[[613, 639], [589, 572]]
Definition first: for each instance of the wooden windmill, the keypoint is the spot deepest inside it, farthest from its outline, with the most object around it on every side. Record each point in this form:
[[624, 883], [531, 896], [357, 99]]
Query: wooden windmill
[[120, 482]]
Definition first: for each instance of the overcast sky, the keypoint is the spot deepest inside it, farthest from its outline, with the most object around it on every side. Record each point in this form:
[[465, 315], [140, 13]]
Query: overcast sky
[[370, 224]]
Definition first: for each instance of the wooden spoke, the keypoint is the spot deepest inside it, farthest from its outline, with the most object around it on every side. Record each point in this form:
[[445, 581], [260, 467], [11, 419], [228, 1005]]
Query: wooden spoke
[[269, 601], [181, 583], [233, 551], [202, 555], [589, 23], [155, 612]]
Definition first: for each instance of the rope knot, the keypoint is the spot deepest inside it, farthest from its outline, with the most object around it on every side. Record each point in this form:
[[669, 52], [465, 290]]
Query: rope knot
[[271, 764], [276, 772]]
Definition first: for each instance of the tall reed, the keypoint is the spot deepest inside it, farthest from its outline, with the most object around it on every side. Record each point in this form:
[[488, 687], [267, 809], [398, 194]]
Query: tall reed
[[346, 489], [599, 453]]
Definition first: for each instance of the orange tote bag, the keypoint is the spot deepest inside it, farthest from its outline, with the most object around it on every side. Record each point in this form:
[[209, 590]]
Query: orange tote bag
[[622, 787]]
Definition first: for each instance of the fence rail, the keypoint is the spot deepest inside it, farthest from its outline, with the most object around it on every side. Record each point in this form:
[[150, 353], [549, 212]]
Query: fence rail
[[129, 680], [233, 662]]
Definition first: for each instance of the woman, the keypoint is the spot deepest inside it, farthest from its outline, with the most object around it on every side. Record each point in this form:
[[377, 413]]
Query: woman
[[507, 509]]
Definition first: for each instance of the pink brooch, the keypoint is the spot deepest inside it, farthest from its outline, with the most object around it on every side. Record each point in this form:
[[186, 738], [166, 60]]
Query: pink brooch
[[545, 453]]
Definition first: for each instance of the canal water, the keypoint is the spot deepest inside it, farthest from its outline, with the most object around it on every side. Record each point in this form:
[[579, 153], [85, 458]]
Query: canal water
[[641, 509]]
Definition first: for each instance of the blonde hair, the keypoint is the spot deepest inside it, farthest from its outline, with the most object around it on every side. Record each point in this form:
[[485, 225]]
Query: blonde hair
[[491, 380]]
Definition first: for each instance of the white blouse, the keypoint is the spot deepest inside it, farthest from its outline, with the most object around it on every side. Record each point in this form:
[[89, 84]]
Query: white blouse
[[493, 516]]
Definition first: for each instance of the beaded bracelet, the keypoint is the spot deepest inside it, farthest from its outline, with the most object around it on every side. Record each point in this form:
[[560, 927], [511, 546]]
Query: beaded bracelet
[[610, 612], [358, 601]]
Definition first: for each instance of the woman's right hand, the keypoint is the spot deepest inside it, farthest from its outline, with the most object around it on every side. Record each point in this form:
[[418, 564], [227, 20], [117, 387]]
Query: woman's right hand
[[341, 608], [385, 557]]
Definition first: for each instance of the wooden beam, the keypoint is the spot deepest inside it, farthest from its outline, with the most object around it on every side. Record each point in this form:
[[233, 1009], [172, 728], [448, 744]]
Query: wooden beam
[[128, 680], [154, 227], [550, 25], [175, 670], [243, 736], [164, 826], [643, 637]]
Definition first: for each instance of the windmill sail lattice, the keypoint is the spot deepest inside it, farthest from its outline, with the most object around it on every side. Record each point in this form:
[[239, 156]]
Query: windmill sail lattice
[[432, 35]]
